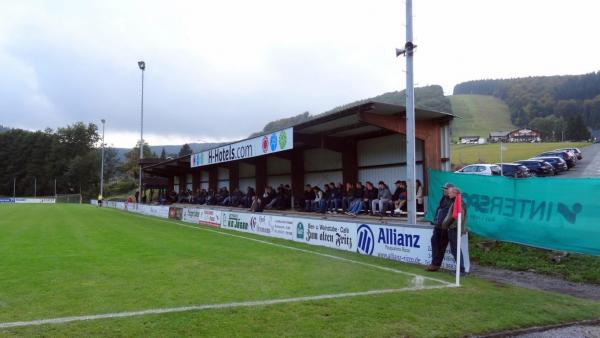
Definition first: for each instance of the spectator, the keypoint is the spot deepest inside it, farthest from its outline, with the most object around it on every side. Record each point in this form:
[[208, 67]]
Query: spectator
[[419, 195], [451, 224], [336, 197], [348, 196], [370, 195], [384, 197], [357, 204], [137, 196], [439, 238], [247, 200], [236, 197], [327, 196], [256, 205], [309, 196], [399, 197], [318, 204]]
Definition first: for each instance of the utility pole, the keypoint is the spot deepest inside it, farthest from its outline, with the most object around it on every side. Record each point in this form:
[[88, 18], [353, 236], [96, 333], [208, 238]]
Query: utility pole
[[142, 66], [102, 162], [411, 178]]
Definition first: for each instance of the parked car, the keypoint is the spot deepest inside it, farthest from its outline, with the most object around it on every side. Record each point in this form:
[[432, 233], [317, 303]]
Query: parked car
[[480, 169], [562, 154], [558, 163], [578, 154], [538, 167], [515, 170]]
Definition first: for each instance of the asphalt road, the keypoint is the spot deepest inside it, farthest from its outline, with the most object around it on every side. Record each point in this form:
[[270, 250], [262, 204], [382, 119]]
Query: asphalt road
[[589, 166]]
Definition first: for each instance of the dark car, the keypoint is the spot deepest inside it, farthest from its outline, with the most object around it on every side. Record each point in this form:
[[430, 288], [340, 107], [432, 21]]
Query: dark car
[[538, 167], [558, 163], [575, 151], [562, 154], [515, 170]]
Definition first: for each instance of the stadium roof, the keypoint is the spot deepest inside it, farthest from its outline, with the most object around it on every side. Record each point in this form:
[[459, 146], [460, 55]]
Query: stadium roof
[[337, 125]]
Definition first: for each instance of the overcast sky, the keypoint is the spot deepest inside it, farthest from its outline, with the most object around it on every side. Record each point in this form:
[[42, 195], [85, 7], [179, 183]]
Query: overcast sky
[[220, 70]]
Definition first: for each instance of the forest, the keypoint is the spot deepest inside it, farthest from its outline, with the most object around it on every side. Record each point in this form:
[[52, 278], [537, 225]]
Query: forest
[[563, 97]]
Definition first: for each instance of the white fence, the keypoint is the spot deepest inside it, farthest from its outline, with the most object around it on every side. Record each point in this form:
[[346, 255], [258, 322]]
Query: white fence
[[410, 244]]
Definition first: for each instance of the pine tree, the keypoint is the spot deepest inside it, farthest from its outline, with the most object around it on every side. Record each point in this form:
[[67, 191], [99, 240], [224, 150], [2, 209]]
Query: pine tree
[[185, 150], [163, 154]]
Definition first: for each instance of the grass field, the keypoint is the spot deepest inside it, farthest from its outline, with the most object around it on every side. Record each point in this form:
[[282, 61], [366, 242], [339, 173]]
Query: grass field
[[479, 115], [76, 260], [462, 154]]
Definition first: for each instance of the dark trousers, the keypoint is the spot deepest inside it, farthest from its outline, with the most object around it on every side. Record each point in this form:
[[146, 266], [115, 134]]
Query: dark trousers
[[439, 242], [453, 243]]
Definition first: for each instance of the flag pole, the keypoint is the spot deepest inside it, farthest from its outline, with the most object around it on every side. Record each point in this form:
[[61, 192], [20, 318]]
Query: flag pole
[[458, 244]]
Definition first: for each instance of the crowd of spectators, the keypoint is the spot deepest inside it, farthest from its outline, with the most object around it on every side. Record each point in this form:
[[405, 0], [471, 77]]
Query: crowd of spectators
[[279, 199], [351, 199], [354, 199]]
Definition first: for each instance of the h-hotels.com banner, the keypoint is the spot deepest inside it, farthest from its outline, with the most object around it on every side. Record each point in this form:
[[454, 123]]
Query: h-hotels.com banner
[[272, 143]]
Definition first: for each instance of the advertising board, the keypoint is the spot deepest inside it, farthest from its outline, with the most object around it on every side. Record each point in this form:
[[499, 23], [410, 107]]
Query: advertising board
[[210, 217], [333, 234], [34, 200], [175, 213], [404, 244], [262, 145], [6, 200]]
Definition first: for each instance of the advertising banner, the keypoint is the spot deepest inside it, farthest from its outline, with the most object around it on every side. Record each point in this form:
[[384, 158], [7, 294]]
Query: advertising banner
[[274, 142], [556, 214], [337, 235], [6, 200], [210, 217], [191, 215], [283, 227], [248, 222], [35, 200], [404, 244], [175, 213]]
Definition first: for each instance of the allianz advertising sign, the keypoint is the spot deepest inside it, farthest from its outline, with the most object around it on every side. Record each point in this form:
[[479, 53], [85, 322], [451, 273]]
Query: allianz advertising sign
[[272, 143]]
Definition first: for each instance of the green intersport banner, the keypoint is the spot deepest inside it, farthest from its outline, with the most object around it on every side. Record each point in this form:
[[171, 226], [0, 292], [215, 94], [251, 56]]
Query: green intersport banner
[[551, 213]]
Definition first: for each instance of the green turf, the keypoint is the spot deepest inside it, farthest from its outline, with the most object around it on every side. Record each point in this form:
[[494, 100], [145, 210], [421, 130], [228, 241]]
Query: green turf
[[462, 154], [573, 267], [67, 260], [479, 115]]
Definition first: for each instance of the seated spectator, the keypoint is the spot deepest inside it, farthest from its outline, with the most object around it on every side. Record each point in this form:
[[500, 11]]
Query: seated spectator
[[335, 197], [357, 204], [268, 195], [327, 196], [370, 195], [399, 197], [419, 195], [246, 201], [384, 196], [276, 199], [348, 196], [318, 204], [236, 197], [256, 205], [309, 196]]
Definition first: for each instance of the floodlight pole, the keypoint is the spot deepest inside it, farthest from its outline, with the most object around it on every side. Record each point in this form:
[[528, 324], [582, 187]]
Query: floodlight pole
[[35, 187], [55, 188], [102, 162], [410, 120], [14, 187], [142, 66]]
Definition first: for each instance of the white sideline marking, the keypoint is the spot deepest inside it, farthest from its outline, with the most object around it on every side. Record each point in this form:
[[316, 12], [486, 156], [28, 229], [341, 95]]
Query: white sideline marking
[[291, 248], [63, 320]]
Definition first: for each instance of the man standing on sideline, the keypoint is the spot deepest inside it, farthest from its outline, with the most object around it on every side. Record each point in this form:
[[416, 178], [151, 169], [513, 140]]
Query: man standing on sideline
[[439, 239], [451, 223]]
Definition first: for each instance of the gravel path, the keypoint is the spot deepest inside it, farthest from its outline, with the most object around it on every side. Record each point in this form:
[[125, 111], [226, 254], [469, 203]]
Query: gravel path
[[547, 283], [578, 331], [533, 280]]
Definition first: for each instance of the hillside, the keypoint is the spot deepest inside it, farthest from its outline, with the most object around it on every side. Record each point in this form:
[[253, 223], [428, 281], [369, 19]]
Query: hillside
[[169, 149], [429, 97], [528, 98], [478, 115]]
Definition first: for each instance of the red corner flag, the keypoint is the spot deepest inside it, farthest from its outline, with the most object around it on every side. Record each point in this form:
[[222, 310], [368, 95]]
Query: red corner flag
[[457, 206]]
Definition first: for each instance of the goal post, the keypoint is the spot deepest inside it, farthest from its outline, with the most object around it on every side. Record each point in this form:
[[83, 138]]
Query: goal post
[[69, 198]]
